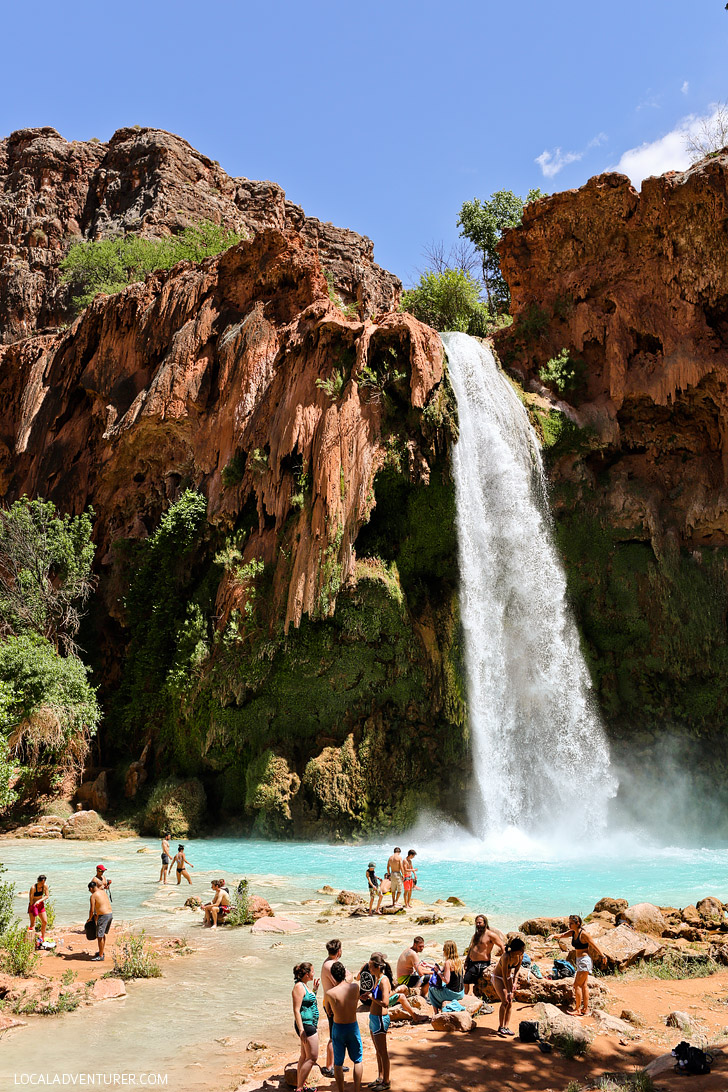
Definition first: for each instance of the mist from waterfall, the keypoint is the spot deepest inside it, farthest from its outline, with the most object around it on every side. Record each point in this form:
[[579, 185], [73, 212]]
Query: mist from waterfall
[[540, 755]]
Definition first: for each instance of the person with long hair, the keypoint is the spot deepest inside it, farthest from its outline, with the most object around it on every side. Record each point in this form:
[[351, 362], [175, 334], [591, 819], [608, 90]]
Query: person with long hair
[[37, 896], [480, 950], [504, 977], [379, 1017], [305, 1018], [449, 986], [583, 945]]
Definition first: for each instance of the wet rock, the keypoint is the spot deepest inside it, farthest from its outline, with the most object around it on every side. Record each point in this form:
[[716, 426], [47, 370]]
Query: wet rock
[[349, 898], [259, 907], [679, 1020], [7, 1022], [359, 912], [452, 1021], [108, 989], [325, 890], [256, 1046], [623, 946], [193, 902], [554, 1024], [275, 925], [610, 905], [644, 917], [455, 901], [544, 927], [144, 849], [429, 919]]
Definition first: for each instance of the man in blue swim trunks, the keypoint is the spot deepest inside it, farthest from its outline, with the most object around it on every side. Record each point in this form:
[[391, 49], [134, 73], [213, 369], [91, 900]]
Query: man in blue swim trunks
[[343, 999]]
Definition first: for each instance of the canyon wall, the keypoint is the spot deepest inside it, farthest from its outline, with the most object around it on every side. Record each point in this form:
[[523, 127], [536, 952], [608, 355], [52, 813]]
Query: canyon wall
[[264, 441], [635, 287]]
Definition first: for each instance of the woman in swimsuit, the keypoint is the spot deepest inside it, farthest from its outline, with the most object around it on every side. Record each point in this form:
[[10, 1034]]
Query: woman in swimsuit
[[182, 865], [451, 975], [504, 977], [379, 1018], [306, 1018], [374, 884], [37, 908], [582, 944]]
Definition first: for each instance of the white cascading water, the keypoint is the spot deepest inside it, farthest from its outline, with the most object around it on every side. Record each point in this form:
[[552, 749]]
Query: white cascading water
[[541, 761]]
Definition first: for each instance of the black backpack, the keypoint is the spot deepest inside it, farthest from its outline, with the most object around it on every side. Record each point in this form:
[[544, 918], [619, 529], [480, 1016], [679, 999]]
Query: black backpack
[[528, 1031], [692, 1060]]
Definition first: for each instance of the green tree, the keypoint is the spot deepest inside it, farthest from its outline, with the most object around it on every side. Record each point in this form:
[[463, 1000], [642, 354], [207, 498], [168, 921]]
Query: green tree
[[109, 265], [45, 571], [446, 301], [483, 223]]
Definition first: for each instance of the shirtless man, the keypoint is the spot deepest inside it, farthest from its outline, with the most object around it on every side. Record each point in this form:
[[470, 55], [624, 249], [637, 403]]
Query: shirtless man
[[220, 904], [343, 998], [333, 949], [394, 868], [100, 910], [413, 971], [103, 880], [409, 876], [478, 957], [165, 858]]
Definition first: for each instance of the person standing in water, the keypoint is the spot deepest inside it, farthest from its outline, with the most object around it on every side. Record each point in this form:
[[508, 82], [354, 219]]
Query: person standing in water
[[394, 868], [306, 1018], [409, 876], [480, 950], [504, 977], [37, 895], [165, 858], [583, 945], [379, 1018], [344, 1001], [182, 865]]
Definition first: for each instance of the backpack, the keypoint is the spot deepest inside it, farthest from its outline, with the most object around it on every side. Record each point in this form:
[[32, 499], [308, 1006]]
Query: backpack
[[692, 1059], [528, 1031], [564, 969], [90, 929]]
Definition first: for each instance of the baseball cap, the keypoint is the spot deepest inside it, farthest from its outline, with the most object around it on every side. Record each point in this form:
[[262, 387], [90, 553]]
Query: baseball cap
[[100, 868], [372, 864]]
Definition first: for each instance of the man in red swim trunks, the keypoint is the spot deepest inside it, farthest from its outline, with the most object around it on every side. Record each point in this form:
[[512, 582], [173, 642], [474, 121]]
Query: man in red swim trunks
[[409, 875]]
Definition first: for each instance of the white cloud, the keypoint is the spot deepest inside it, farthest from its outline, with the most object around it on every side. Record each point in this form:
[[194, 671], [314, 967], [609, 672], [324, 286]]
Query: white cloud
[[554, 161], [685, 87], [668, 152]]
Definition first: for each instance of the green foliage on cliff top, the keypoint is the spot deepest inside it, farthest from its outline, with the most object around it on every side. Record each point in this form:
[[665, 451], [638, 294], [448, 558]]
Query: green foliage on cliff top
[[447, 301], [109, 265]]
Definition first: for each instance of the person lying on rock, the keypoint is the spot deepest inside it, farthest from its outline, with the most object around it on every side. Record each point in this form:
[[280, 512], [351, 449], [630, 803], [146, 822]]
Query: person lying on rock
[[583, 946], [504, 977], [480, 950]]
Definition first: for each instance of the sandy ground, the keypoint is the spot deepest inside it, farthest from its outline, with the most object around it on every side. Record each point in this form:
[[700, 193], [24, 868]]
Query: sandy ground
[[423, 1059]]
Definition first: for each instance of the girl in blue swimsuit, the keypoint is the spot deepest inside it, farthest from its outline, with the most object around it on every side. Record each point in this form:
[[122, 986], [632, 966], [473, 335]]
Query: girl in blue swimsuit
[[306, 1018], [379, 1018]]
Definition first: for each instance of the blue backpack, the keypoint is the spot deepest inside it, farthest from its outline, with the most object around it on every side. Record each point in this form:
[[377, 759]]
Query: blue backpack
[[564, 969]]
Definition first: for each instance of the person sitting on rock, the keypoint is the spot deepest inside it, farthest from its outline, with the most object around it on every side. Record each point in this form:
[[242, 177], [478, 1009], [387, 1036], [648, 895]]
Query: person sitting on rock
[[583, 946], [211, 909], [450, 975], [413, 971], [504, 977]]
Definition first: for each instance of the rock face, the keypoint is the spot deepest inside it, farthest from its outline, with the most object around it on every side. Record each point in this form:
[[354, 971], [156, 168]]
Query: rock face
[[635, 286], [623, 946], [269, 472], [644, 917], [150, 182]]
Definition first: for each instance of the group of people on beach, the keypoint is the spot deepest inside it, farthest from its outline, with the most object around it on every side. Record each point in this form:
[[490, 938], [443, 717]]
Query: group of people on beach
[[101, 913], [442, 984], [400, 878]]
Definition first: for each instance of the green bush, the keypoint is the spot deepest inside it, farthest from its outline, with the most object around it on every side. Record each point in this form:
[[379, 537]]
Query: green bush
[[50, 915], [109, 265], [563, 372], [17, 950], [7, 894], [570, 1046], [445, 301], [134, 958], [240, 913], [175, 806]]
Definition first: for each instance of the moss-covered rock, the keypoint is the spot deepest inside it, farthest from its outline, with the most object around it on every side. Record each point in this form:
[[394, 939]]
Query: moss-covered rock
[[177, 807]]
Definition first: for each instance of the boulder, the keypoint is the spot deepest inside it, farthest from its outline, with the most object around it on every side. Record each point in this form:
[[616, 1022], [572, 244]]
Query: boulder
[[7, 1022], [290, 1074], [691, 916], [452, 1021], [623, 946], [193, 902], [418, 1003], [359, 912], [107, 989], [325, 890], [275, 925], [720, 954], [683, 932], [95, 792], [553, 1024], [710, 909], [349, 898], [455, 901], [544, 927], [643, 916], [610, 905], [259, 907], [613, 1025], [429, 919], [632, 1017], [555, 991], [87, 826], [679, 1020]]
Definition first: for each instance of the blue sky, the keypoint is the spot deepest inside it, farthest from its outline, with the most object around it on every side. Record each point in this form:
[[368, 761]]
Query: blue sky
[[382, 117]]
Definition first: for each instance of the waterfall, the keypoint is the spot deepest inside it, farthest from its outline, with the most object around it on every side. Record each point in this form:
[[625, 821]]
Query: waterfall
[[540, 755]]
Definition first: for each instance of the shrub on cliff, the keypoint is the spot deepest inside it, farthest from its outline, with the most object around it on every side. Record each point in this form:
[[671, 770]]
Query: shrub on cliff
[[109, 265], [563, 372], [175, 806], [446, 301]]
